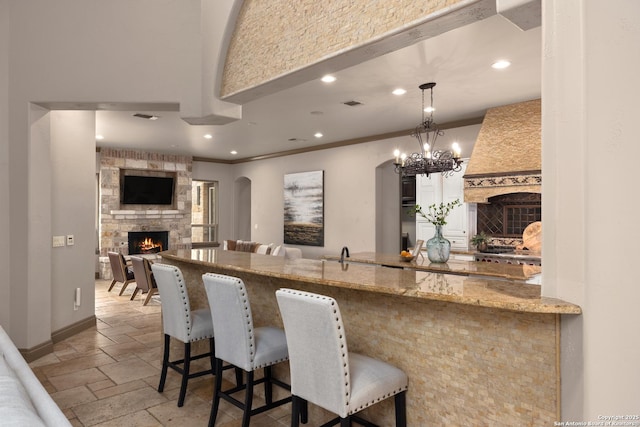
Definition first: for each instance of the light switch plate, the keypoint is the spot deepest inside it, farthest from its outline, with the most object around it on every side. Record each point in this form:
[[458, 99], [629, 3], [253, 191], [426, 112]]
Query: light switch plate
[[69, 239], [58, 241]]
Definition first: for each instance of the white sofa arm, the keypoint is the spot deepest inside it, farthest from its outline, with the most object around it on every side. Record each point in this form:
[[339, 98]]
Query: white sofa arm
[[23, 391]]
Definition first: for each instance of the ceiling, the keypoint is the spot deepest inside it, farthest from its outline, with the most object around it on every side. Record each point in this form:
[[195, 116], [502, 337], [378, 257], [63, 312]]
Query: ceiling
[[459, 61]]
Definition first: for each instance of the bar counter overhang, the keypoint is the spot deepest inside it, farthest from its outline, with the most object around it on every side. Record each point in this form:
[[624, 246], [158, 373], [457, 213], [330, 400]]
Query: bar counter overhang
[[477, 351]]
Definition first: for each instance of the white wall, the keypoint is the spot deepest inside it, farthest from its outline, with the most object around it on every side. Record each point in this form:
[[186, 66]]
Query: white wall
[[5, 302], [349, 195], [142, 51], [350, 190], [590, 234], [73, 172]]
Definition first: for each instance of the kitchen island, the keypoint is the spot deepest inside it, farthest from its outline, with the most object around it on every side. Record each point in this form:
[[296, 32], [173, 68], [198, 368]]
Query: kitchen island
[[477, 351], [453, 266]]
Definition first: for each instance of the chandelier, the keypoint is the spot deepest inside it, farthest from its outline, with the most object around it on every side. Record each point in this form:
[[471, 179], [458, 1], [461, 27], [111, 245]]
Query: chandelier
[[428, 159]]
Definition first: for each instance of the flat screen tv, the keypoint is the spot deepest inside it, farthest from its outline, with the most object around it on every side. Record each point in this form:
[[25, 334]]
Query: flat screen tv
[[146, 190]]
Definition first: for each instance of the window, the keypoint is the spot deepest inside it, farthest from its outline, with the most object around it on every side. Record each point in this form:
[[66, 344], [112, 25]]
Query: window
[[204, 213]]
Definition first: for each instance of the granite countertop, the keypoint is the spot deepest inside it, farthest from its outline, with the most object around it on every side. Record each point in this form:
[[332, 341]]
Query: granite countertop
[[467, 268], [426, 285]]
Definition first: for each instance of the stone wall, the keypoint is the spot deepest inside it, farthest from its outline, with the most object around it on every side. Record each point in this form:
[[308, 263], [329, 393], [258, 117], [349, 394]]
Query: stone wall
[[274, 38], [117, 220]]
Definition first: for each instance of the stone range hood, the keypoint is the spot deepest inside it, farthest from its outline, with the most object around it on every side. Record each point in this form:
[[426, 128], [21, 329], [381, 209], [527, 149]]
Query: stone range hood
[[506, 157]]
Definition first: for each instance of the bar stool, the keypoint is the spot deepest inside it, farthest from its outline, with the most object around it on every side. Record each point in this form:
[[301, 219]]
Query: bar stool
[[324, 372], [182, 323], [242, 345]]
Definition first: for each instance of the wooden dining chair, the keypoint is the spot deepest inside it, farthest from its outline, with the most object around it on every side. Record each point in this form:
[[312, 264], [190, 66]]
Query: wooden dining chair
[[120, 271], [143, 275]]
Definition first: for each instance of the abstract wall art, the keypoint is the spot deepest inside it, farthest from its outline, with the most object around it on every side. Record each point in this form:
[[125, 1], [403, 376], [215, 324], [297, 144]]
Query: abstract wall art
[[304, 208]]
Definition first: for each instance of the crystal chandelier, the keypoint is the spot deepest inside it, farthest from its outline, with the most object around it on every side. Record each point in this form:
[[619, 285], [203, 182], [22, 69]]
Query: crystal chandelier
[[428, 159]]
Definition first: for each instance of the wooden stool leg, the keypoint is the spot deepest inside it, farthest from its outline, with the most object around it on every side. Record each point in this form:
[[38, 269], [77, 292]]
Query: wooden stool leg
[[185, 373], [216, 394], [248, 400], [400, 400], [165, 363]]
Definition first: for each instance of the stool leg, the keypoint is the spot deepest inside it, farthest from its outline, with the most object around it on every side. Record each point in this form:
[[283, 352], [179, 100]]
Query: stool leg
[[165, 363], [212, 356], [248, 400], [185, 373], [295, 411], [400, 400], [239, 380], [304, 412], [216, 394], [345, 422], [113, 282], [268, 386]]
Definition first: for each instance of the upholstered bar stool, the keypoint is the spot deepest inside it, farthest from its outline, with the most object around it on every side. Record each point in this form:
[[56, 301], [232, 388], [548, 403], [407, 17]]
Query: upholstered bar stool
[[182, 323], [242, 345], [324, 372]]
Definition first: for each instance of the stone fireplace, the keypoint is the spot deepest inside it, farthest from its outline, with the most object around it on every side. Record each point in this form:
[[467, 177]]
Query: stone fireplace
[[117, 220]]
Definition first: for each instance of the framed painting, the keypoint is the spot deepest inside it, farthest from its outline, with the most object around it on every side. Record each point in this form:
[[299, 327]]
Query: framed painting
[[304, 208]]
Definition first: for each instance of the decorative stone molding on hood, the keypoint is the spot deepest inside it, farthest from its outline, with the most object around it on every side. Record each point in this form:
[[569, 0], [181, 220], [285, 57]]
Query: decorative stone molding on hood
[[506, 157]]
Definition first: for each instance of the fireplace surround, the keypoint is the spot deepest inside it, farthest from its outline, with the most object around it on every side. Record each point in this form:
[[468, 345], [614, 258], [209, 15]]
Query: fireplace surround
[[117, 220]]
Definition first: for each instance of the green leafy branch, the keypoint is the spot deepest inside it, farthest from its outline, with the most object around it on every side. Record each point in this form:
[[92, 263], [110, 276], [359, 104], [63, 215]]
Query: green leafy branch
[[436, 214]]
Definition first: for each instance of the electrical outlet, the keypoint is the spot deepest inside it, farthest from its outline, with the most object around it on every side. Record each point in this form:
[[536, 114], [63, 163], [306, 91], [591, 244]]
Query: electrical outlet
[[58, 241], [69, 239]]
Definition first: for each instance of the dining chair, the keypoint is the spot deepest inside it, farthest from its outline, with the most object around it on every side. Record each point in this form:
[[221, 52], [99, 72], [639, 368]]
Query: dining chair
[[145, 281], [323, 370], [120, 270], [182, 323], [242, 345]]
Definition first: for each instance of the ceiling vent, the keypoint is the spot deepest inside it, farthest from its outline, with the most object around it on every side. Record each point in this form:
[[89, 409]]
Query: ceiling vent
[[352, 103], [145, 116]]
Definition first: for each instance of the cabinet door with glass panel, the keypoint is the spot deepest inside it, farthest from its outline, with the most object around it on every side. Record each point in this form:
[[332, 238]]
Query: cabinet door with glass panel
[[437, 189]]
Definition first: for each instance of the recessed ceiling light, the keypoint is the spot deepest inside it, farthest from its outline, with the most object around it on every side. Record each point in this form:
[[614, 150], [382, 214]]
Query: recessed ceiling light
[[501, 64], [399, 91], [234, 152], [328, 79], [429, 109], [318, 135], [99, 137], [208, 136]]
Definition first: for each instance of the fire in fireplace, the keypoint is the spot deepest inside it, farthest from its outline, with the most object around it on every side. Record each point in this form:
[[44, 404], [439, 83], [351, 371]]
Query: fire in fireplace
[[147, 242]]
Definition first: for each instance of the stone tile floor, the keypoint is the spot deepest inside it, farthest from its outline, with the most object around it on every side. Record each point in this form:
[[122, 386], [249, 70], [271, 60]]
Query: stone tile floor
[[108, 376]]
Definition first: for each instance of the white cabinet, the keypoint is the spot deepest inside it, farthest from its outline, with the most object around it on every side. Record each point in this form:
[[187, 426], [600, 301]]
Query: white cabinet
[[437, 189]]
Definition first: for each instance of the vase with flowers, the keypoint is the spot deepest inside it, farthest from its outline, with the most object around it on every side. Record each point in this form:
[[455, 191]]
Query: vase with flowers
[[438, 248]]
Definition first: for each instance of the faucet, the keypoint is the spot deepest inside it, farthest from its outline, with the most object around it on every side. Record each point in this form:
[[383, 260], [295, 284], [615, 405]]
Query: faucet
[[344, 249]]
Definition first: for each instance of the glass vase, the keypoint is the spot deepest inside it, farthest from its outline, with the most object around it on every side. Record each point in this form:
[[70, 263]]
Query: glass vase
[[438, 248]]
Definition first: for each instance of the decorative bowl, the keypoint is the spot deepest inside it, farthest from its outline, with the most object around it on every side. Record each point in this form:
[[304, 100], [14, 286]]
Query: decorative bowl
[[406, 258]]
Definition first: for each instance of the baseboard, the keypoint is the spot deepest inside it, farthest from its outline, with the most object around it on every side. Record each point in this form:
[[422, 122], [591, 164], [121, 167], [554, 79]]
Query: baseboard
[[31, 354]]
